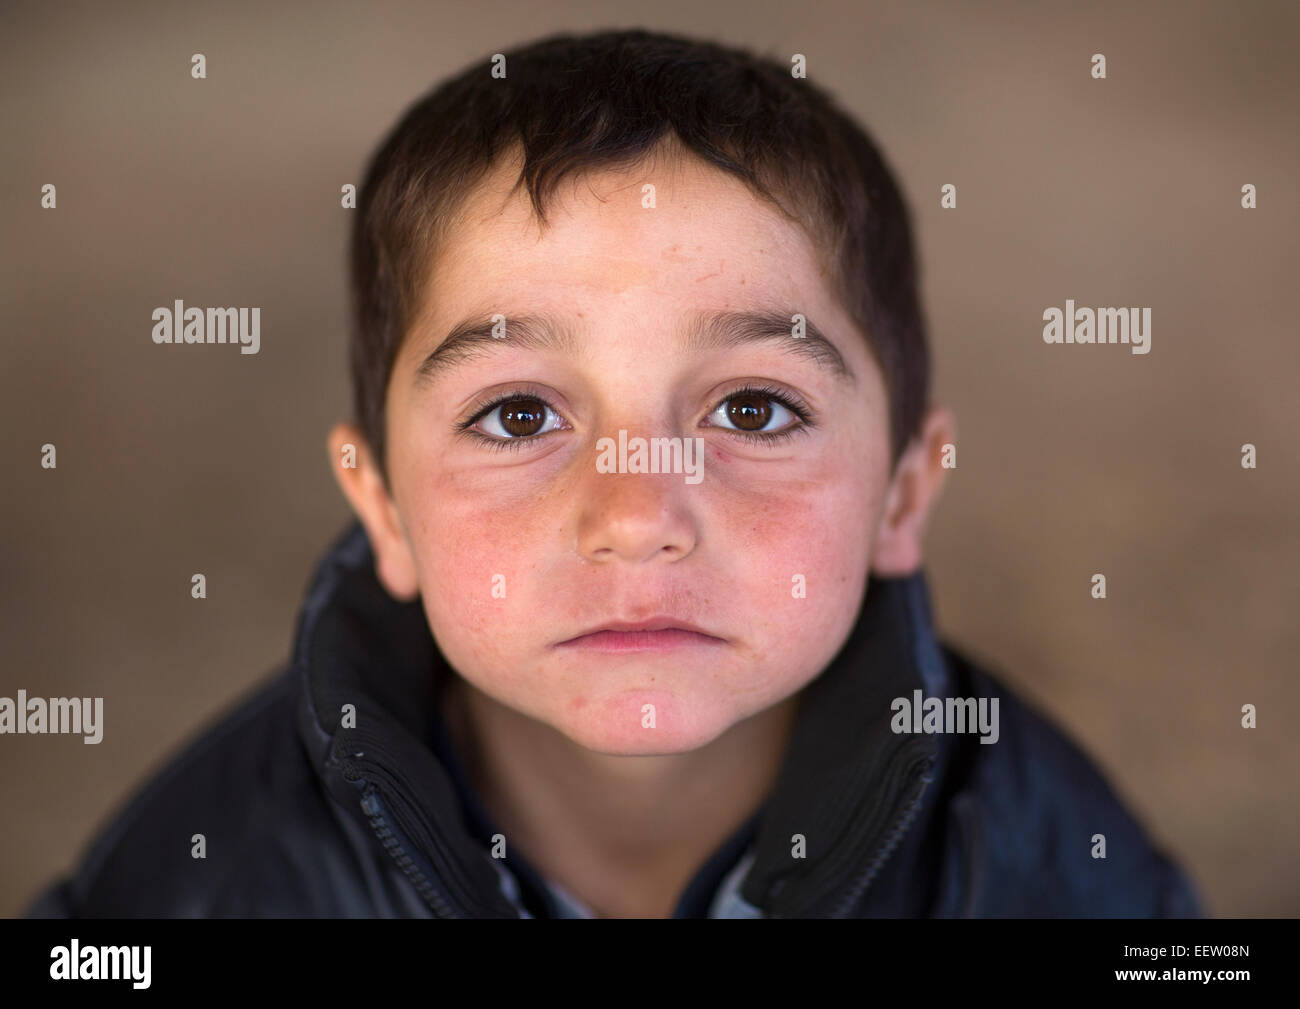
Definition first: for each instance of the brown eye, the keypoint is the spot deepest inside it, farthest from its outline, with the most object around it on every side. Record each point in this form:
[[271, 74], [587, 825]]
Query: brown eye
[[760, 415], [523, 417], [517, 418], [748, 412]]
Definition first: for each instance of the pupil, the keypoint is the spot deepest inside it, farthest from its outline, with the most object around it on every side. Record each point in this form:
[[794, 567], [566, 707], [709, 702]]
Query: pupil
[[749, 413], [522, 417]]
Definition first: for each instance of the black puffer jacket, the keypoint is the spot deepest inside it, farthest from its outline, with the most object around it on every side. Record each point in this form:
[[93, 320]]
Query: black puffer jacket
[[304, 818]]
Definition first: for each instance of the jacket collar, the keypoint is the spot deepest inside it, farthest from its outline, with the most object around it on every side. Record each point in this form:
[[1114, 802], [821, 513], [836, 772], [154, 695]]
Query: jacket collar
[[367, 670]]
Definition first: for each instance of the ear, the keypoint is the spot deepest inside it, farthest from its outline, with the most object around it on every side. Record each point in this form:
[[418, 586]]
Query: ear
[[913, 490], [357, 472]]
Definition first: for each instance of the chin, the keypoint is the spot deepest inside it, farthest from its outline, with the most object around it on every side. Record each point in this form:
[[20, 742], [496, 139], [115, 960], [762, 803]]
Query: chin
[[615, 727]]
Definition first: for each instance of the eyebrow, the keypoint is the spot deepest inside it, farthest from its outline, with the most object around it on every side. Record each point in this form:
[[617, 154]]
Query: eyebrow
[[474, 338]]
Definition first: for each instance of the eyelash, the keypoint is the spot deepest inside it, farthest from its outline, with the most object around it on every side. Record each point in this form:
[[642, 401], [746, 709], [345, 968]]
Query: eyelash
[[792, 403]]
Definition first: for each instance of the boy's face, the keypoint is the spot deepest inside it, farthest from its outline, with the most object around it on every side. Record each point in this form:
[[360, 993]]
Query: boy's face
[[518, 543]]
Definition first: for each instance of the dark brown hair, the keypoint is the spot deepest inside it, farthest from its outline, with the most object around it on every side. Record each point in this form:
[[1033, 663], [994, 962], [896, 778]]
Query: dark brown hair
[[571, 103]]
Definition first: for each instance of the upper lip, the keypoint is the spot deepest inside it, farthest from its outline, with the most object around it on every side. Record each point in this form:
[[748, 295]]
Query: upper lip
[[650, 624]]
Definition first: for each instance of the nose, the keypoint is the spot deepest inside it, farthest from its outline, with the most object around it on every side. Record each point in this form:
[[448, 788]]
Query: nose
[[635, 517]]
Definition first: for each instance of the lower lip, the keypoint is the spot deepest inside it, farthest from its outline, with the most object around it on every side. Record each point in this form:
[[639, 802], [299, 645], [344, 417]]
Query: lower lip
[[640, 641]]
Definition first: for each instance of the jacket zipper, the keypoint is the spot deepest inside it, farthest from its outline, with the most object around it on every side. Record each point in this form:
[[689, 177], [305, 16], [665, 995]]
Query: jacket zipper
[[405, 853], [395, 843], [892, 841]]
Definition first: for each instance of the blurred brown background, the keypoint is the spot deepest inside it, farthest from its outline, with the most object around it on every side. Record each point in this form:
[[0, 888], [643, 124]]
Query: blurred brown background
[[1072, 459]]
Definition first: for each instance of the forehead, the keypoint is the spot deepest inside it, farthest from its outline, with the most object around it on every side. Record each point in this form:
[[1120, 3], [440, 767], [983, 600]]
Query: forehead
[[697, 234]]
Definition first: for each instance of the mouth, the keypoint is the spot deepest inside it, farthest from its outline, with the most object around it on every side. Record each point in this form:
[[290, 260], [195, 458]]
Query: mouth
[[658, 634]]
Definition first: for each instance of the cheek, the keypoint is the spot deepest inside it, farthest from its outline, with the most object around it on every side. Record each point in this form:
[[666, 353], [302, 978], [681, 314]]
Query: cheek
[[813, 520], [806, 553], [477, 548]]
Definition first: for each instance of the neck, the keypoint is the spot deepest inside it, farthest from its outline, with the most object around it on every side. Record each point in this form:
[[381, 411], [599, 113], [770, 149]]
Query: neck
[[625, 835]]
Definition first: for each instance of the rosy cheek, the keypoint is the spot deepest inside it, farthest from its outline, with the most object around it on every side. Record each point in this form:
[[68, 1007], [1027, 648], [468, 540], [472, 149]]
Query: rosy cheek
[[475, 561], [795, 525]]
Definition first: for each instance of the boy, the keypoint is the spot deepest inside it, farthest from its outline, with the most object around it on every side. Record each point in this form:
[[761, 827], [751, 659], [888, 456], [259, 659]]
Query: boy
[[633, 622]]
